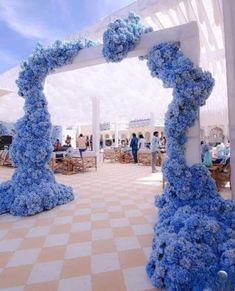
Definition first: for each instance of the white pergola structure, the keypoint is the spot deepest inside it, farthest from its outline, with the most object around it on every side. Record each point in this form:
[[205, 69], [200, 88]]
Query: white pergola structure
[[163, 14], [133, 76], [229, 29], [4, 91], [188, 37]]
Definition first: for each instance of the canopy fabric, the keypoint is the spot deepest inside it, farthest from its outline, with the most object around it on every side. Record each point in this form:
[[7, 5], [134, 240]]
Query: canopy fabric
[[126, 90], [4, 91]]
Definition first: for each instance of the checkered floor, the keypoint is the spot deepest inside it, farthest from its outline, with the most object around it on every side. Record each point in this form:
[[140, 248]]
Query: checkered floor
[[100, 241]]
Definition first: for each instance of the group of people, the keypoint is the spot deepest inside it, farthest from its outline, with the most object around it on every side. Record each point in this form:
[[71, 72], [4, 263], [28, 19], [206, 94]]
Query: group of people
[[155, 146], [58, 146], [83, 143], [220, 153]]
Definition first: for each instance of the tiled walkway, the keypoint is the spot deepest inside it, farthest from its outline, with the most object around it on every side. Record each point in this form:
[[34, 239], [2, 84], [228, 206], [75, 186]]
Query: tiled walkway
[[98, 242]]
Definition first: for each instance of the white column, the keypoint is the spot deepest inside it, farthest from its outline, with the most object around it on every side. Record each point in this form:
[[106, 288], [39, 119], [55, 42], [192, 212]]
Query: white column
[[96, 125], [191, 48], [193, 150], [116, 134], [207, 133], [152, 123], [229, 35], [79, 129]]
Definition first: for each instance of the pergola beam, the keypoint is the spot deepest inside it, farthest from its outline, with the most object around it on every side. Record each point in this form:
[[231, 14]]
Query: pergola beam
[[183, 33], [229, 35]]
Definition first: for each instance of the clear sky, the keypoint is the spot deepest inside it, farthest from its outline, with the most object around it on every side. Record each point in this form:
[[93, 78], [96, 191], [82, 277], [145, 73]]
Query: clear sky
[[23, 23]]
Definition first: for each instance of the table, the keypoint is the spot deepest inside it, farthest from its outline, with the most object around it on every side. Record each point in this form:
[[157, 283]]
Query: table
[[214, 170]]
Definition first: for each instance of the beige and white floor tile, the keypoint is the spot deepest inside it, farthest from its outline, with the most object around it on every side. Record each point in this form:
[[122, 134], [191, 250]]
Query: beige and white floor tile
[[82, 283], [99, 242]]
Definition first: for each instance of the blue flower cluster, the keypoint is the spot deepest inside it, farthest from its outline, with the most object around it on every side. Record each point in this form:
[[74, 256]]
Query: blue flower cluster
[[3, 129], [194, 237], [33, 188], [122, 36]]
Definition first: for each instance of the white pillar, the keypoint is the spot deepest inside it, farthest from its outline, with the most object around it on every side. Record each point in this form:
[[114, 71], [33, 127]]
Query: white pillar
[[191, 48], [116, 134], [96, 125], [229, 35], [152, 123], [193, 149], [207, 133], [79, 129]]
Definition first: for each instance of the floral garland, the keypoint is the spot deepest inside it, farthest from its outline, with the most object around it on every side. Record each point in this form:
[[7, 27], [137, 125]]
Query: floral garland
[[122, 36], [33, 188], [194, 237]]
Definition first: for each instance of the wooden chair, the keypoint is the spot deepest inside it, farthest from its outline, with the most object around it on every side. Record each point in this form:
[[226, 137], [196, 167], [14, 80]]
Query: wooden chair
[[82, 164], [89, 160], [123, 157], [61, 165], [5, 159], [109, 154], [76, 164], [144, 157], [127, 157], [224, 176], [159, 160], [221, 174], [214, 170]]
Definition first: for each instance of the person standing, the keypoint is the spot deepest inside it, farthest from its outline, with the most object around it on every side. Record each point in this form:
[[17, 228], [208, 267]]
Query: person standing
[[154, 147], [134, 147], [203, 148], [207, 158], [101, 142], [91, 143], [141, 142], [82, 144], [87, 142]]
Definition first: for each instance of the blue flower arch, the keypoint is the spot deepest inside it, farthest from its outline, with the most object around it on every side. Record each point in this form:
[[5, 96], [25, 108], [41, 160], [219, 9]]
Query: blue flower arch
[[33, 188], [194, 237]]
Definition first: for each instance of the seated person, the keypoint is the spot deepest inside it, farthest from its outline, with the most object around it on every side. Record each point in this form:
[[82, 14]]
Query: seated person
[[207, 158], [227, 150], [69, 152], [215, 156], [221, 151], [56, 145], [68, 140]]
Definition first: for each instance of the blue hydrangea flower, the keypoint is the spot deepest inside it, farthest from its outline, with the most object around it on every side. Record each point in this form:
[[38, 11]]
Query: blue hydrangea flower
[[122, 36]]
